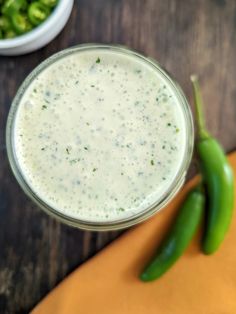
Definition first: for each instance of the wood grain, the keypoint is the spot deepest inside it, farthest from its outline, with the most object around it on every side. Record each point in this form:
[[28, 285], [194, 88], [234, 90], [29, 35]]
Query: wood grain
[[37, 252]]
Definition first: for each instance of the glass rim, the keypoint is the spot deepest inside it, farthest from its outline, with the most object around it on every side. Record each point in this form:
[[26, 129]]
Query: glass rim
[[95, 225]]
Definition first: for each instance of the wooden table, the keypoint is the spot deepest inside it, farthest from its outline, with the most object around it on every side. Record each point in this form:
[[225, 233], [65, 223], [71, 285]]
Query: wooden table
[[37, 252]]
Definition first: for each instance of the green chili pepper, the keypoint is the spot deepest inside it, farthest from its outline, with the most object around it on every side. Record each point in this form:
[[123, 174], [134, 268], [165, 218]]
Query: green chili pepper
[[218, 178], [49, 3], [178, 237], [37, 13], [10, 34], [5, 23], [20, 23], [14, 20], [13, 6]]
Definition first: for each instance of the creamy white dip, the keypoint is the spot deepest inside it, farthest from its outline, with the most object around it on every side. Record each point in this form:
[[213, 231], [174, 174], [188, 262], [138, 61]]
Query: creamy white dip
[[100, 135]]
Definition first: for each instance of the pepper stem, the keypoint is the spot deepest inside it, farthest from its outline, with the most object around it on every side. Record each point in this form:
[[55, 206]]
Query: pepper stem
[[202, 131]]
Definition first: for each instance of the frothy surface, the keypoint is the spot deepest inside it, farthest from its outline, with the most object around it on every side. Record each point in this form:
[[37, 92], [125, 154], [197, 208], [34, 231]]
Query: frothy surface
[[99, 135]]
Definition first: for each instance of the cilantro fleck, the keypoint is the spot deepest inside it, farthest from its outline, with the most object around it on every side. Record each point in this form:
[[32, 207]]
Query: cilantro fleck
[[74, 161], [86, 148], [92, 85], [152, 162], [98, 60], [169, 124], [121, 209], [121, 173], [35, 90], [95, 169], [177, 130], [43, 148], [87, 123], [44, 107], [68, 149]]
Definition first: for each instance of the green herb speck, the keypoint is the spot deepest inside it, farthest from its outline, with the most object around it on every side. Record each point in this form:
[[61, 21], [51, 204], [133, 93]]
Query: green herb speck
[[68, 150], [177, 130], [152, 162], [43, 148], [98, 60], [121, 209], [87, 123], [92, 85], [169, 124], [86, 148], [95, 169], [122, 174], [35, 90], [74, 161], [44, 107]]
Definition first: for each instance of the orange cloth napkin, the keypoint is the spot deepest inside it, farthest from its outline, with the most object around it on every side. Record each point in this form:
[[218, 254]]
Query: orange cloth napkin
[[109, 284]]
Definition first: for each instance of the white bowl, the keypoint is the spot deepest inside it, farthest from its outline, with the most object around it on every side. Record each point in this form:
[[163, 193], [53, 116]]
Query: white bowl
[[41, 35]]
